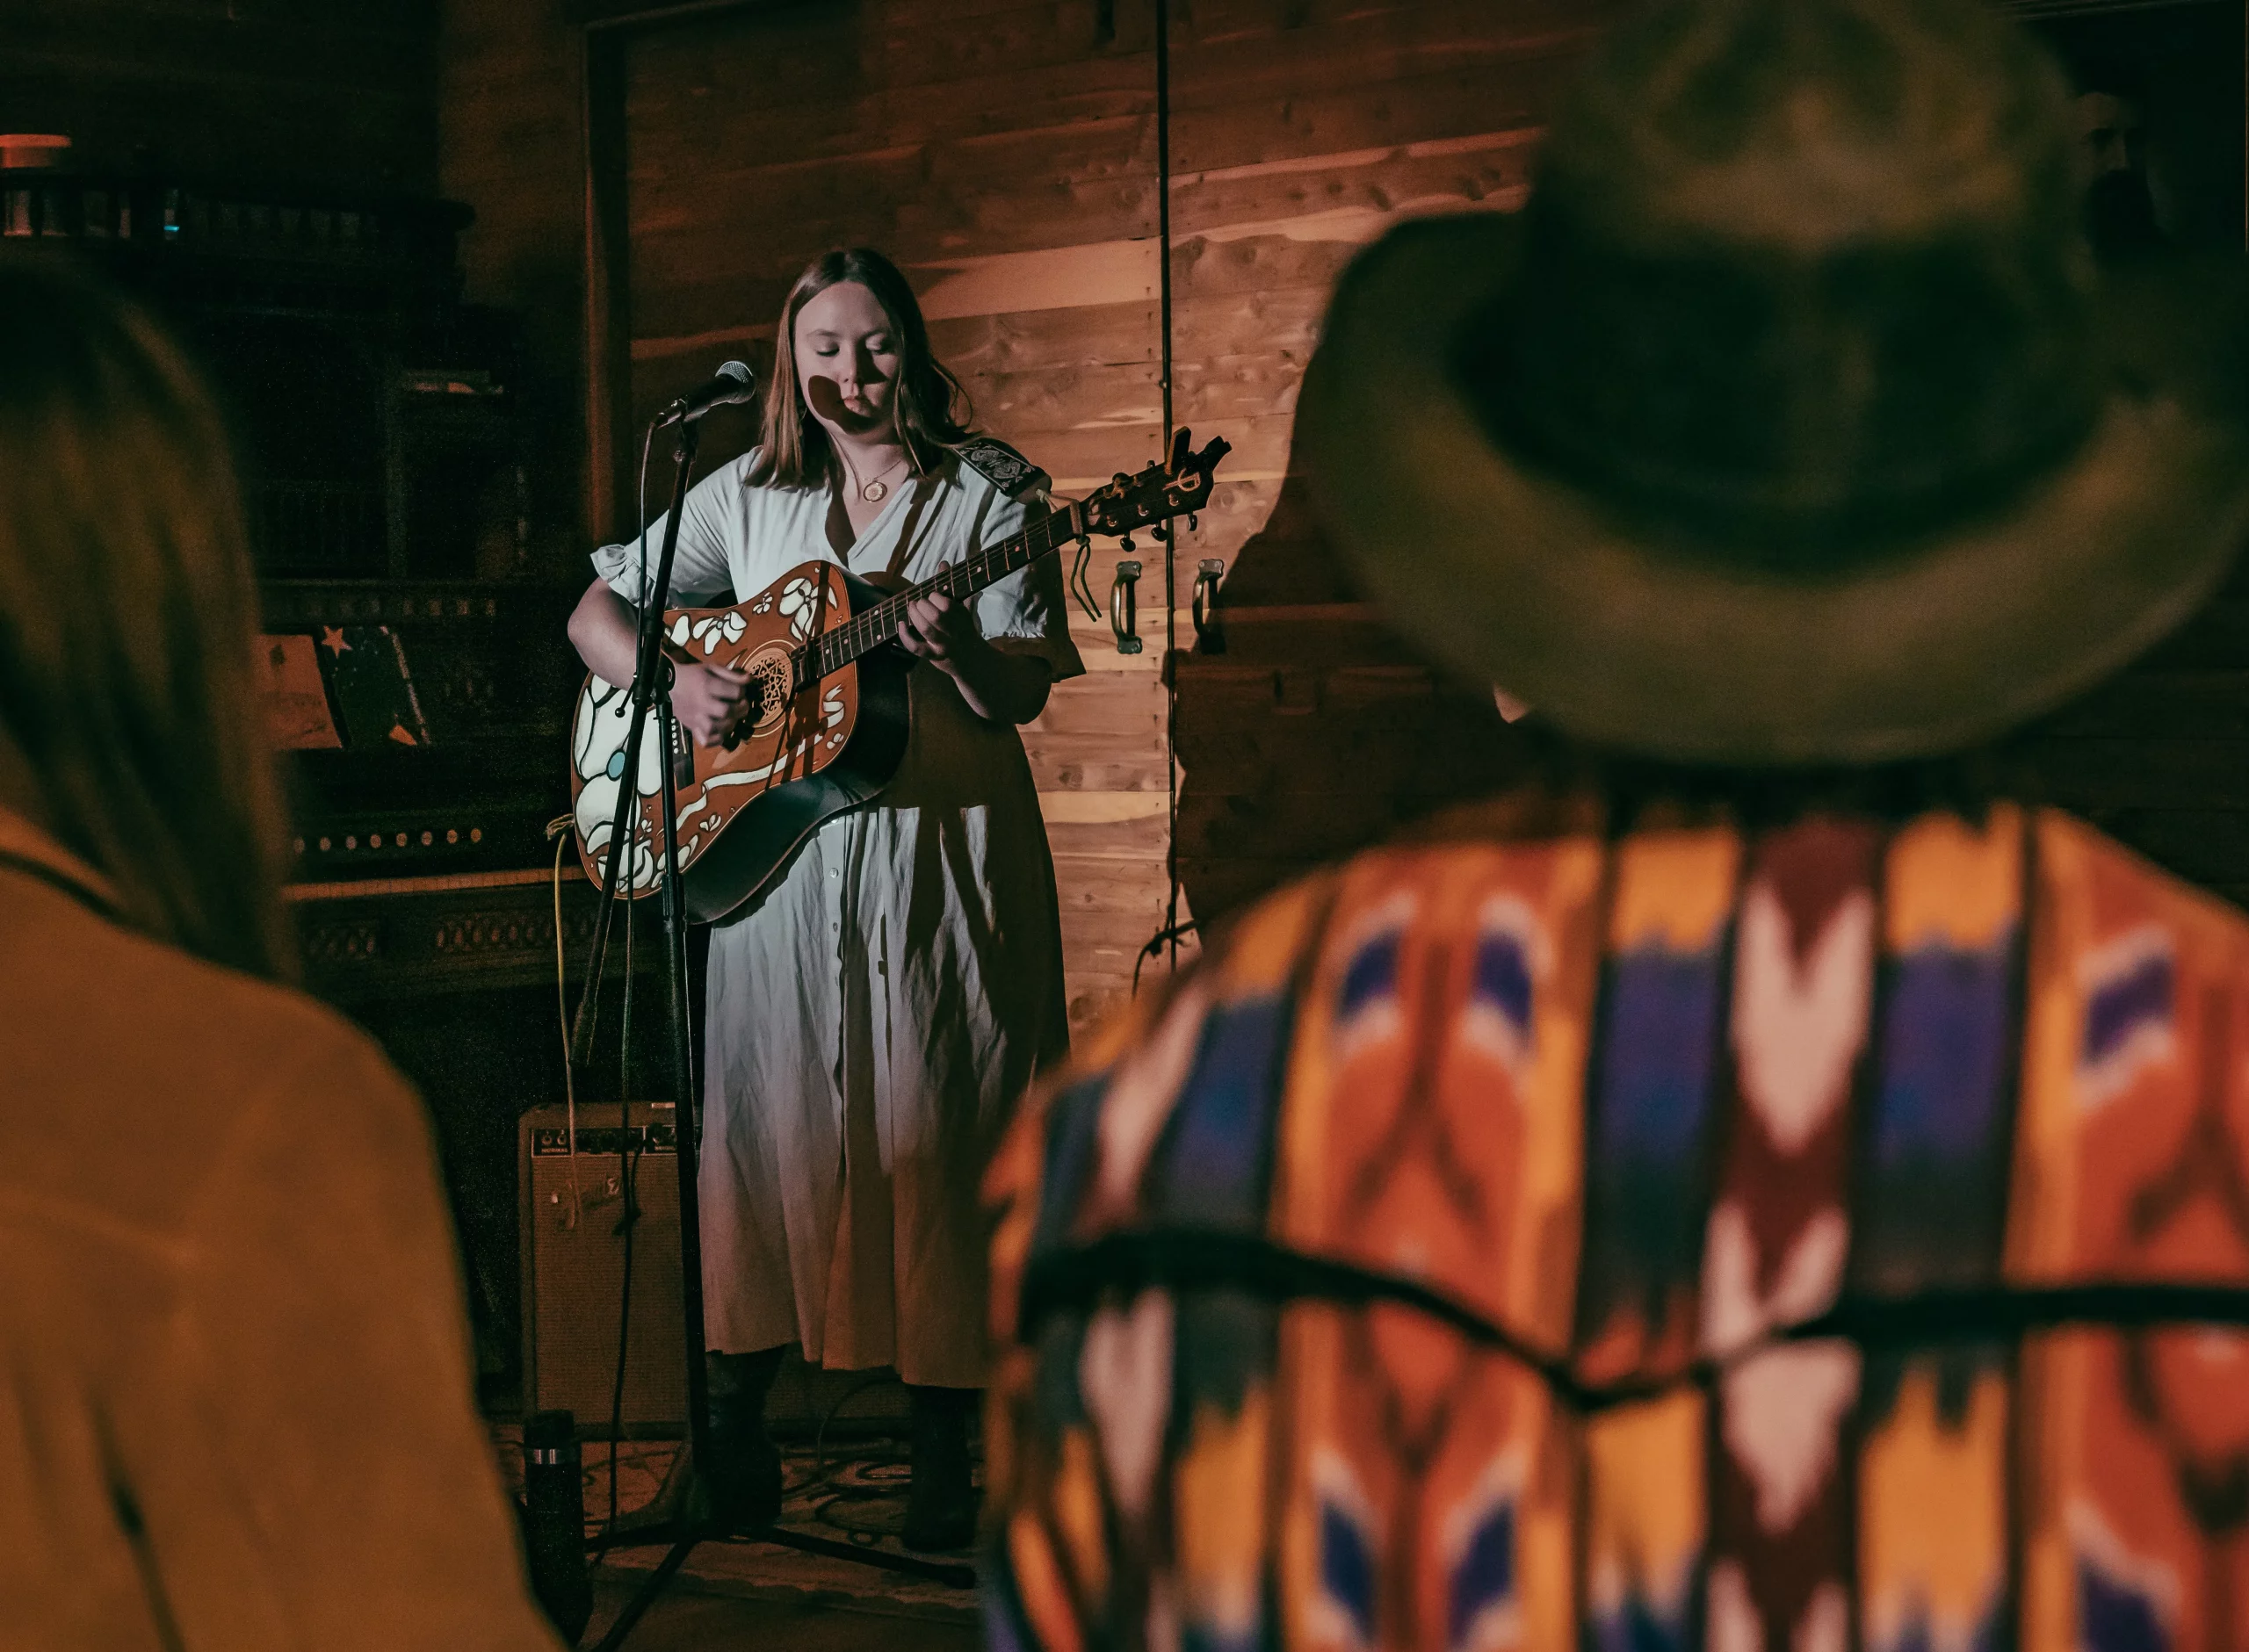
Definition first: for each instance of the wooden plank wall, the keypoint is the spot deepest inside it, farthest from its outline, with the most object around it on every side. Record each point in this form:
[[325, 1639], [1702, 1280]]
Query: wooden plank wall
[[1005, 154], [511, 143], [278, 90], [1004, 149], [2158, 755], [1301, 129]]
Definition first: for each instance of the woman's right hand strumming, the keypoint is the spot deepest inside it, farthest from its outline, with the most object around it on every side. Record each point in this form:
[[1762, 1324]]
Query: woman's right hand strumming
[[708, 700]]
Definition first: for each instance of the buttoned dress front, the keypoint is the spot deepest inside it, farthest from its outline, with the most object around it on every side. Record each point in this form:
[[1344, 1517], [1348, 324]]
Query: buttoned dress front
[[873, 1020]]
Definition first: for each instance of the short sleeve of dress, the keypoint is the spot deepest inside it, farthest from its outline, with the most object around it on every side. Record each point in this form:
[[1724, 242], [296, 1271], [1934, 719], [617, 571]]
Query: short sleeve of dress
[[1028, 612], [700, 572]]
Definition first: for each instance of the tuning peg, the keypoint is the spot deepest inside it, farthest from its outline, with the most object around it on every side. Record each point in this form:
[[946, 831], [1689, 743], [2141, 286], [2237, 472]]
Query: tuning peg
[[1161, 533], [1192, 524], [1125, 544], [1121, 480]]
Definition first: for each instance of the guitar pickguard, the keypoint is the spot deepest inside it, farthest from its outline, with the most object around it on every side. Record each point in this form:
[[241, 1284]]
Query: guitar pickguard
[[796, 732]]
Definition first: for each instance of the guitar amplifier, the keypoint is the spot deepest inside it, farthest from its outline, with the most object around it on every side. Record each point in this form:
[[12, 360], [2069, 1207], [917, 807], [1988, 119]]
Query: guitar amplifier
[[573, 1266]]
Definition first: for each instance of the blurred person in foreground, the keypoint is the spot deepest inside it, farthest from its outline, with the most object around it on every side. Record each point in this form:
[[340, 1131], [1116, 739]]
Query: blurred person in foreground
[[234, 1386], [1775, 1187]]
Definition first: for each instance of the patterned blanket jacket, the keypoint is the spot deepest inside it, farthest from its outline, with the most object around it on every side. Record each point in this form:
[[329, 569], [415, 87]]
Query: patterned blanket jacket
[[1830, 1236]]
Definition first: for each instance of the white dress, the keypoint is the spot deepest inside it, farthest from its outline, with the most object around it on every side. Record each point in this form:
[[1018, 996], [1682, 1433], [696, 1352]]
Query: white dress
[[874, 1019]]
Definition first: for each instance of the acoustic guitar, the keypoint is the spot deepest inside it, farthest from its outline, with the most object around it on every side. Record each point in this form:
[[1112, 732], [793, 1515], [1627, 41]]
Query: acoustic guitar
[[827, 722]]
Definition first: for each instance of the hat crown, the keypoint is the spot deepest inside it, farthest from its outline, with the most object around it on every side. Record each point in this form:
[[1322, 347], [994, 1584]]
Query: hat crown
[[1802, 275]]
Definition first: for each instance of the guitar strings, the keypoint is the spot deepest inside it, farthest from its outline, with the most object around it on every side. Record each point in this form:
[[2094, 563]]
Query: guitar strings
[[865, 631]]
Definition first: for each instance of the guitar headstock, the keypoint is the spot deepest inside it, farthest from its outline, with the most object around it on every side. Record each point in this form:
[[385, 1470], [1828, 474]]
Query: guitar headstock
[[1177, 485]]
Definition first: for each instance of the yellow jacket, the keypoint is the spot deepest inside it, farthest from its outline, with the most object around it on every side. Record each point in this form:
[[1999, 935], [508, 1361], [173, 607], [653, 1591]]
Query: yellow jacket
[[234, 1395]]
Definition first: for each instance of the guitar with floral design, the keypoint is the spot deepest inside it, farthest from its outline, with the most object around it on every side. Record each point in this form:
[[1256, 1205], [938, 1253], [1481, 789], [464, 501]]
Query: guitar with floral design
[[829, 721]]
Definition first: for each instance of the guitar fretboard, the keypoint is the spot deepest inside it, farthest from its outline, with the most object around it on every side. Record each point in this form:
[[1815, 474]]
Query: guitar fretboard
[[865, 631]]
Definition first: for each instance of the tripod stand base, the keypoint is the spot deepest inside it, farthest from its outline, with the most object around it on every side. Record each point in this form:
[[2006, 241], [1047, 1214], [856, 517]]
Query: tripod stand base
[[685, 1540]]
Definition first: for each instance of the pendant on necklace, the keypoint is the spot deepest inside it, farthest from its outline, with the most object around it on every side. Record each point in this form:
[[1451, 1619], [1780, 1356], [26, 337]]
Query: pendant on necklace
[[874, 492]]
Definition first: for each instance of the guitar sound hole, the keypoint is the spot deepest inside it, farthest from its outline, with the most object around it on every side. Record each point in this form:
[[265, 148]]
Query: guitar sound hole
[[770, 685]]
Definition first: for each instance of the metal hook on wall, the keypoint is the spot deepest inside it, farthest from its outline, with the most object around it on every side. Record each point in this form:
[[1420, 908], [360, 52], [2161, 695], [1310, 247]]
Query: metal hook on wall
[[1123, 607], [1210, 631]]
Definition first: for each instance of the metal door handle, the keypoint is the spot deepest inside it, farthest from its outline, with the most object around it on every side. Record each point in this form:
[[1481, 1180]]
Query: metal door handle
[[1123, 607]]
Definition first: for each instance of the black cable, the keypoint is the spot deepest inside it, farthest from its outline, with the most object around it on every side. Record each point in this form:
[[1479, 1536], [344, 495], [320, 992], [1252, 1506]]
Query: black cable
[[593, 987], [1081, 586], [823, 1476], [1155, 943], [628, 1217], [628, 1223], [1171, 927], [628, 1157], [824, 1471]]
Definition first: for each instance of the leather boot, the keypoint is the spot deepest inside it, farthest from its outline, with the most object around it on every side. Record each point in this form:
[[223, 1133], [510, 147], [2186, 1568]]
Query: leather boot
[[742, 1479], [941, 1499]]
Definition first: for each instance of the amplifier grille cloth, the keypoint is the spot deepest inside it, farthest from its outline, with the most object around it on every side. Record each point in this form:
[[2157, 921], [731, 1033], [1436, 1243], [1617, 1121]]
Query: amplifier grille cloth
[[572, 1275]]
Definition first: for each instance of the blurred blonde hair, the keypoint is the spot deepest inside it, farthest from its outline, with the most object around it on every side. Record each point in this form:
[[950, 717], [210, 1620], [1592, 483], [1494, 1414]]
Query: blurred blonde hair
[[127, 617]]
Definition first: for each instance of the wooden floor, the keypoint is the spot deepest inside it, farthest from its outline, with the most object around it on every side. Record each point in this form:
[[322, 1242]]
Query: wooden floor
[[711, 1623]]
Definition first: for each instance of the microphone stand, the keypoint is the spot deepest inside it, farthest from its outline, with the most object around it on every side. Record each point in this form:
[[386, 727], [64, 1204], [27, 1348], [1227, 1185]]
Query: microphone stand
[[651, 693]]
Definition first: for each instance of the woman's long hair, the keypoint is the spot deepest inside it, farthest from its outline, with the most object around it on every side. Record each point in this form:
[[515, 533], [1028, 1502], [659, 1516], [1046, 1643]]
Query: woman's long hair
[[127, 617], [928, 407]]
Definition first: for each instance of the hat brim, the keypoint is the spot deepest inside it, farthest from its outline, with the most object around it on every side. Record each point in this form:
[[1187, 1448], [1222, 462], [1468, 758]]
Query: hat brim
[[1624, 639]]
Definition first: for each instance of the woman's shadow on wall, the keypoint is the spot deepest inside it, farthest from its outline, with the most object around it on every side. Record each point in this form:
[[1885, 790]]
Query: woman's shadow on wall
[[1308, 729]]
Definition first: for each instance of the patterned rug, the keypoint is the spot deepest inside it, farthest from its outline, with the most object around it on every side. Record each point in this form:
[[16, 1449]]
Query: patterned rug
[[852, 1492]]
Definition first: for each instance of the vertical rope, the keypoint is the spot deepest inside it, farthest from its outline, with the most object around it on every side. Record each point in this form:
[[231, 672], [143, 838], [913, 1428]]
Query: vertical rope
[[1171, 527]]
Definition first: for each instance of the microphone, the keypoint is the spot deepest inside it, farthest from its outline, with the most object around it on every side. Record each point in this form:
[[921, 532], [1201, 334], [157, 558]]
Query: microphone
[[732, 383]]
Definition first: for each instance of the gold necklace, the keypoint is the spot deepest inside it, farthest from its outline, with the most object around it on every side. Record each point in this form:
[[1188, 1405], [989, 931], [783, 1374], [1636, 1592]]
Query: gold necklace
[[876, 491]]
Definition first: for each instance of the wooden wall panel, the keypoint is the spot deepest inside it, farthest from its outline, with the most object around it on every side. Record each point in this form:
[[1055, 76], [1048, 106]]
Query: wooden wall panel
[[512, 144], [1006, 159], [264, 90], [2159, 755], [1300, 131], [1005, 151]]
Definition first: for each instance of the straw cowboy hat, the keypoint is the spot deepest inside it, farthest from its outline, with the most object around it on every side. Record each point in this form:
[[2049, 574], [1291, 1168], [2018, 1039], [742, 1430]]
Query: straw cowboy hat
[[1790, 423]]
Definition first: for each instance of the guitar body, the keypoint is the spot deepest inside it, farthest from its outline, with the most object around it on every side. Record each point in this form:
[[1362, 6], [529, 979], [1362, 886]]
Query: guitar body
[[813, 750]]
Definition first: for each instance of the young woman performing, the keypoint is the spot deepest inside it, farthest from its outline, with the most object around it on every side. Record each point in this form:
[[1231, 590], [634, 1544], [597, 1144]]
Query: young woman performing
[[873, 1018]]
